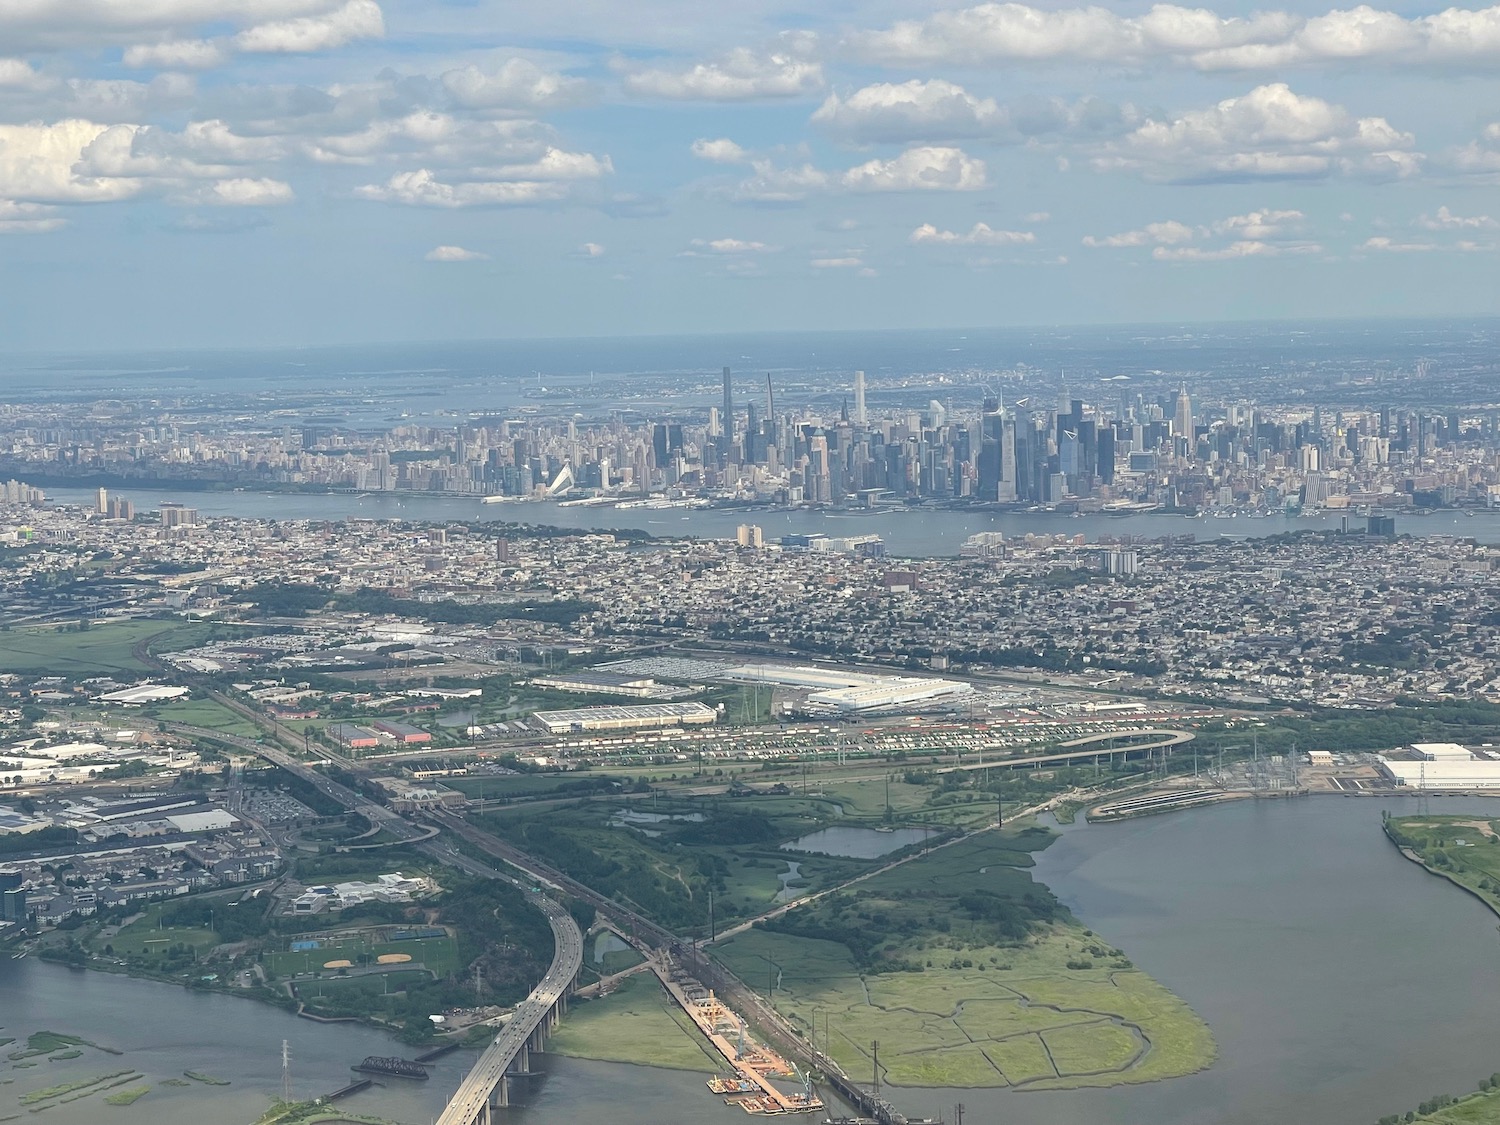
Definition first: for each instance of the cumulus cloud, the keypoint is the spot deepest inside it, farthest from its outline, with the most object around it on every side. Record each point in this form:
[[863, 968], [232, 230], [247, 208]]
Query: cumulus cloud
[[890, 111], [1244, 248], [517, 84], [40, 164], [176, 54], [454, 254], [741, 75], [18, 74], [28, 218], [1481, 157], [1257, 234], [590, 250], [1447, 220], [728, 246], [994, 33], [357, 19], [555, 164], [923, 168], [242, 191], [720, 151], [981, 234], [942, 110], [1269, 133], [1387, 245], [422, 188], [433, 137], [928, 168], [769, 184], [1165, 233], [847, 262], [42, 24]]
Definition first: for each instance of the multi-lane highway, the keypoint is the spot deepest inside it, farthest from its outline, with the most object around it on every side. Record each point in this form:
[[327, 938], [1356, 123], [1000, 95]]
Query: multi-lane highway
[[470, 1104]]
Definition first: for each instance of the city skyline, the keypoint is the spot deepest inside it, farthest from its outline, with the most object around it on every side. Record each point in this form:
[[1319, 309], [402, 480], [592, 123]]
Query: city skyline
[[357, 171]]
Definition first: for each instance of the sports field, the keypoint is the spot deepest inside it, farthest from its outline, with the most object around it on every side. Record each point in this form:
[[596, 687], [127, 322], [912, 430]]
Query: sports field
[[146, 935], [364, 948]]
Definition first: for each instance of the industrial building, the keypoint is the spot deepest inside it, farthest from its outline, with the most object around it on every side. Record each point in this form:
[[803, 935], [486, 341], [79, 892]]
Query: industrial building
[[837, 690], [1445, 766], [610, 683], [643, 716]]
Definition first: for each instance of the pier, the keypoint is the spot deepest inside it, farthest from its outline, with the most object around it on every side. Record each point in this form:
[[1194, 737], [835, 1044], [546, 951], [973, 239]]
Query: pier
[[752, 1061]]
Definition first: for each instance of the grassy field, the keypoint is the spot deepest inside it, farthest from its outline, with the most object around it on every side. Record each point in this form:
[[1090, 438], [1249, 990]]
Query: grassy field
[[207, 713], [1465, 849], [100, 650], [145, 935], [1013, 1017], [969, 975], [636, 1024], [440, 955]]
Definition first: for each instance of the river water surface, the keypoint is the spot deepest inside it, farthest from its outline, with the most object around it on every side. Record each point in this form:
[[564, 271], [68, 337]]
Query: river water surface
[[908, 532], [1341, 981]]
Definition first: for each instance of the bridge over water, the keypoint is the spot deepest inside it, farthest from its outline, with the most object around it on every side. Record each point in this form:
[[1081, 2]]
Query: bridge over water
[[508, 1056]]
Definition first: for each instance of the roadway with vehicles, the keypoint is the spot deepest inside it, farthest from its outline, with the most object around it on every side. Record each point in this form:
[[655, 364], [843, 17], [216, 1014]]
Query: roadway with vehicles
[[486, 1083]]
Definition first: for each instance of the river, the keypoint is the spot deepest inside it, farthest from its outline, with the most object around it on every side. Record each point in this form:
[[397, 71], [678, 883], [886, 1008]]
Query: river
[[908, 532], [1341, 981]]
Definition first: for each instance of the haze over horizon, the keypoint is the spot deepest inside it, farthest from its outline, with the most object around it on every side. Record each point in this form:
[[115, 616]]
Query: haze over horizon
[[287, 172]]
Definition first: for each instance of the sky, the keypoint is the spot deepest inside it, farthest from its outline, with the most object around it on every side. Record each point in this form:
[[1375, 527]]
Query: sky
[[242, 172]]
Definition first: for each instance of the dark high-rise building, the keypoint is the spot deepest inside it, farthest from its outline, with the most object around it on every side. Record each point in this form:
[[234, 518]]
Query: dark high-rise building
[[1106, 455], [726, 419], [659, 444]]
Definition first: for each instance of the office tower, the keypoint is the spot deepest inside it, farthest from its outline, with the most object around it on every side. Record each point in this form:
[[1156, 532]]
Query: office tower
[[991, 435], [102, 506], [726, 418], [1007, 458], [860, 417], [1182, 422]]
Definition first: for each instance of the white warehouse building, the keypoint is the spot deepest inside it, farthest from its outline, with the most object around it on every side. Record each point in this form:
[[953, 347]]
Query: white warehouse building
[[1445, 766], [842, 691]]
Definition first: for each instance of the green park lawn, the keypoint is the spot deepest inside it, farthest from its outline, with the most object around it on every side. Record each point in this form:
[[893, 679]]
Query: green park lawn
[[439, 955], [145, 935]]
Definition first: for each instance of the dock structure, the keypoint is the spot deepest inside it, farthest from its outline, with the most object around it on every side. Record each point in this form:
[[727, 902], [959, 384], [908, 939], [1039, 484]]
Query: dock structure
[[507, 1060], [753, 1062]]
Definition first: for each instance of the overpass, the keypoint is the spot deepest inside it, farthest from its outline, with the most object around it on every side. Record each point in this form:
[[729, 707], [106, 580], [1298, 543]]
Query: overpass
[[508, 1057]]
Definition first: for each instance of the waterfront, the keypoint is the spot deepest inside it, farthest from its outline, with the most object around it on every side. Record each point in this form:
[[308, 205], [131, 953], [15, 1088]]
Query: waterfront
[[908, 532], [1341, 981]]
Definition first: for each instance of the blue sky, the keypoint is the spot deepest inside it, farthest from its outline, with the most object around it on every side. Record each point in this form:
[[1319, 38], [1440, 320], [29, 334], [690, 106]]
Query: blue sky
[[231, 172]]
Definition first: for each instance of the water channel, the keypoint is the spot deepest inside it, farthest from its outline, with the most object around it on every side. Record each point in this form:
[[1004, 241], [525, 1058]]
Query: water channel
[[911, 533], [1341, 981]]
